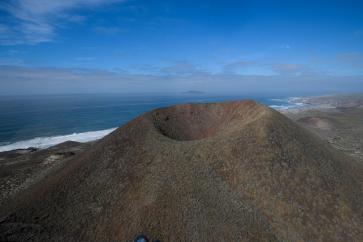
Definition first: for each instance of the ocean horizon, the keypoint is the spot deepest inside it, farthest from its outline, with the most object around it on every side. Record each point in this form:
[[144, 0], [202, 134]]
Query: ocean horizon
[[44, 121]]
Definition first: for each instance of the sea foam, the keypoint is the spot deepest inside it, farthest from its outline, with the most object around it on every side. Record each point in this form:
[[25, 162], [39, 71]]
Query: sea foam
[[45, 142], [288, 103]]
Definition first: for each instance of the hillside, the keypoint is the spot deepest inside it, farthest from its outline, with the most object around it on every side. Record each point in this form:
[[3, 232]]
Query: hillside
[[233, 171]]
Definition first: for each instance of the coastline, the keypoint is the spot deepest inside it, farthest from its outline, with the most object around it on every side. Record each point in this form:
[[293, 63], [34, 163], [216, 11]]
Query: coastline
[[340, 126], [46, 142], [290, 107], [43, 142], [336, 119]]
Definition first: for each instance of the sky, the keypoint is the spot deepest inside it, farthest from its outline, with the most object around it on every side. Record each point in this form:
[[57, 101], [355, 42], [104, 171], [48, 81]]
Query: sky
[[135, 46]]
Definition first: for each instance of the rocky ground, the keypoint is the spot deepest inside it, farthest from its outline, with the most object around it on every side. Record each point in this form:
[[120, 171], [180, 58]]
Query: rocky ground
[[237, 172], [22, 168], [336, 119]]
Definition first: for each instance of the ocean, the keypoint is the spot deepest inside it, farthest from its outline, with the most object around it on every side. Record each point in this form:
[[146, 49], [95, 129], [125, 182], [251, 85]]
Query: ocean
[[43, 121]]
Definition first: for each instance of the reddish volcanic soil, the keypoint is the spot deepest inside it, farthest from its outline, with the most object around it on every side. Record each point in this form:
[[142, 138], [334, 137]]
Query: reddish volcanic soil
[[234, 171]]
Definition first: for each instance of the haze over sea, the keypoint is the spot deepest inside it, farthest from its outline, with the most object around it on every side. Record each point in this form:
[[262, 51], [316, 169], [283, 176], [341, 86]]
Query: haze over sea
[[43, 121]]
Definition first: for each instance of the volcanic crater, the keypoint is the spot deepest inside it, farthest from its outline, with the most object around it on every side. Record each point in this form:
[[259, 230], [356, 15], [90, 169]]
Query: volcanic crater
[[194, 122], [231, 171]]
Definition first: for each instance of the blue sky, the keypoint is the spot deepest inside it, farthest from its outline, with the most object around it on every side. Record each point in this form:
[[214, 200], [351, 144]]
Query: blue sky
[[89, 46]]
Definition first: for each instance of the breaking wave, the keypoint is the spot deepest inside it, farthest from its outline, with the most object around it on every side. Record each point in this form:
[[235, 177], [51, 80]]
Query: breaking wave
[[45, 142]]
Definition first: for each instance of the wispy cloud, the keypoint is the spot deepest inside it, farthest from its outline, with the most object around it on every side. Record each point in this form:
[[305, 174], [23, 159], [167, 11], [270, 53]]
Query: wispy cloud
[[289, 69], [261, 68], [11, 61], [354, 59], [237, 65], [26, 80], [180, 68], [36, 21]]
